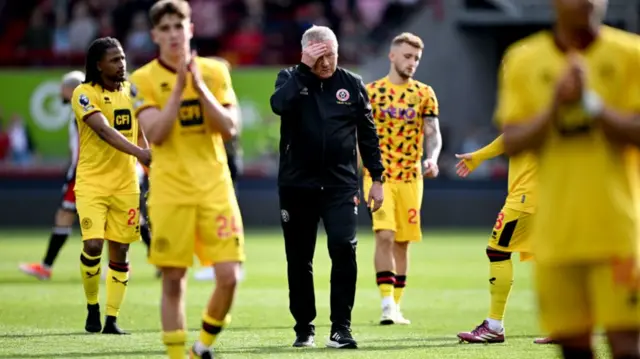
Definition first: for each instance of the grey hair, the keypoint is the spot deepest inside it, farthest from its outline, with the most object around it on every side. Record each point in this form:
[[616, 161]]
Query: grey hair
[[318, 33], [73, 79]]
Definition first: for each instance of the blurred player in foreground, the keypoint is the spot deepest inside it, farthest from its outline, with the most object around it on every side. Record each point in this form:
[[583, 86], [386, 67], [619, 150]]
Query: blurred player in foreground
[[107, 192], [406, 115], [187, 107], [572, 95], [511, 233], [234, 159], [66, 213]]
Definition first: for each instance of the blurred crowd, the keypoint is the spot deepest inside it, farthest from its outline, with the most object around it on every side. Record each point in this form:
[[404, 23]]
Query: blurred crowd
[[246, 32]]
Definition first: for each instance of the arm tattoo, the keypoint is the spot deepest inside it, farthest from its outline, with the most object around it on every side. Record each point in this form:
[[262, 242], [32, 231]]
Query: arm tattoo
[[432, 138]]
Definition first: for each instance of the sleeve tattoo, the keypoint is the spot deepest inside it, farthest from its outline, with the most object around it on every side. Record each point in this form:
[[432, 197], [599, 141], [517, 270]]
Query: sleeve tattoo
[[432, 138]]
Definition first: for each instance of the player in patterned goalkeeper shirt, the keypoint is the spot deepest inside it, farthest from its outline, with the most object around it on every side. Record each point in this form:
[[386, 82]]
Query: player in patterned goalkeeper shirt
[[406, 116]]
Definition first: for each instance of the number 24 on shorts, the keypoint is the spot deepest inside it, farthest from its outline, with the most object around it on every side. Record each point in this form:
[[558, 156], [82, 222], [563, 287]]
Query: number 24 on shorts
[[227, 226]]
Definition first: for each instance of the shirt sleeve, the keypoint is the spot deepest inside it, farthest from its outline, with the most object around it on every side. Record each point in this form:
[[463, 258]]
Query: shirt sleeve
[[223, 90], [142, 93], [84, 102], [511, 103], [430, 106]]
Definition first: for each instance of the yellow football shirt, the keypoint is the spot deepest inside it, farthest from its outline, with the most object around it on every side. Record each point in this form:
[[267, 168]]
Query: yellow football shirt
[[587, 186], [101, 168], [192, 161], [399, 112]]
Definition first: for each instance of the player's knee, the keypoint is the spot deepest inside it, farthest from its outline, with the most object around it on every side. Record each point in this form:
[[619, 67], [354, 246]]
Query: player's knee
[[92, 247], [174, 281], [118, 252], [495, 255], [385, 238], [227, 275], [64, 218], [401, 247], [624, 344]]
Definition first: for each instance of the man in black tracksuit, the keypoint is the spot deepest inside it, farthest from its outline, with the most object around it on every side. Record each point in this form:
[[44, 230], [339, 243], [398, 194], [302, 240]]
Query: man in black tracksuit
[[322, 107]]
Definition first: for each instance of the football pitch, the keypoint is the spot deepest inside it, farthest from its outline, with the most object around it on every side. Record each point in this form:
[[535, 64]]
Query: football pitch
[[446, 293]]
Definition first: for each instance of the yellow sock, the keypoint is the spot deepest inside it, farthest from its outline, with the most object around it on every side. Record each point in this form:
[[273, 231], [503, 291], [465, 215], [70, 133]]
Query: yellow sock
[[175, 343], [211, 327], [500, 282], [90, 272], [385, 281], [398, 288], [117, 280]]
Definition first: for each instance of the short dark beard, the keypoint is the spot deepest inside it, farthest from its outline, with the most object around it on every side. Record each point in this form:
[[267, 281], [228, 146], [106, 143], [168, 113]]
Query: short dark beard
[[401, 73]]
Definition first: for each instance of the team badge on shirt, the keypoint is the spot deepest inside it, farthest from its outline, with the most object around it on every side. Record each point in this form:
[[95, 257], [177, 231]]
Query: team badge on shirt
[[83, 100], [343, 95]]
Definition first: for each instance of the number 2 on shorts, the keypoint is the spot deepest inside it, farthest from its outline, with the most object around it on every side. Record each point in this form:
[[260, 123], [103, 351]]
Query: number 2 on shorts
[[132, 217], [413, 216]]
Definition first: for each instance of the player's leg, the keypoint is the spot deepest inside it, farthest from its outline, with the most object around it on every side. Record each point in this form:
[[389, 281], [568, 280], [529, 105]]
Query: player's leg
[[339, 216], [384, 227], [117, 280], [509, 234], [409, 225], [123, 228], [64, 218], [616, 297], [300, 214], [565, 307], [92, 211], [223, 245], [62, 229], [172, 248]]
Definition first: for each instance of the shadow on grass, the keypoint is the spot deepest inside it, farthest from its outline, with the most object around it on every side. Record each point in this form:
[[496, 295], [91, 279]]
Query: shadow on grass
[[246, 350], [150, 331]]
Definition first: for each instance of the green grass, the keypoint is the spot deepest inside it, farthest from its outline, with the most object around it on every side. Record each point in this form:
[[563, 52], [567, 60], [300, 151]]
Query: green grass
[[447, 293]]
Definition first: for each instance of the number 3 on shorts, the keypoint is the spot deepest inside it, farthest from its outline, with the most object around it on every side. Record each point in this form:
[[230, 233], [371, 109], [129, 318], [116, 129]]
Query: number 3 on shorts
[[499, 221]]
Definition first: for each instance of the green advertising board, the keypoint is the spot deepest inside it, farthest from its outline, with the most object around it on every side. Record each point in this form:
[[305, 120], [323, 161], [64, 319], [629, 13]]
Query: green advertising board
[[34, 95]]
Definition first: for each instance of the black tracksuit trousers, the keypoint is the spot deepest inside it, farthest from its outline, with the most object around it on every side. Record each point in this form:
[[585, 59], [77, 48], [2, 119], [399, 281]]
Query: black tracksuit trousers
[[301, 211]]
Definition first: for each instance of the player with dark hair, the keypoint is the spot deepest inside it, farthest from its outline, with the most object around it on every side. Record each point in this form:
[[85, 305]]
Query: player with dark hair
[[571, 96], [107, 189], [66, 213], [187, 107]]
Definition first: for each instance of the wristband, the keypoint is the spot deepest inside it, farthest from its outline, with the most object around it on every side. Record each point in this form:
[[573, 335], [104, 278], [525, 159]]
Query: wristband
[[592, 103]]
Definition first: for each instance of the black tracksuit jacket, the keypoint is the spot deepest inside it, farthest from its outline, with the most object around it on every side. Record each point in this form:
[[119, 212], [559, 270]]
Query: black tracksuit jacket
[[319, 122]]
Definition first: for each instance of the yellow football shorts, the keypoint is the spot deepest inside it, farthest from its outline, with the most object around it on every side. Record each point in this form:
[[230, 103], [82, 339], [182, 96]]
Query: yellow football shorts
[[400, 211], [212, 230], [575, 298], [511, 233], [113, 217]]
